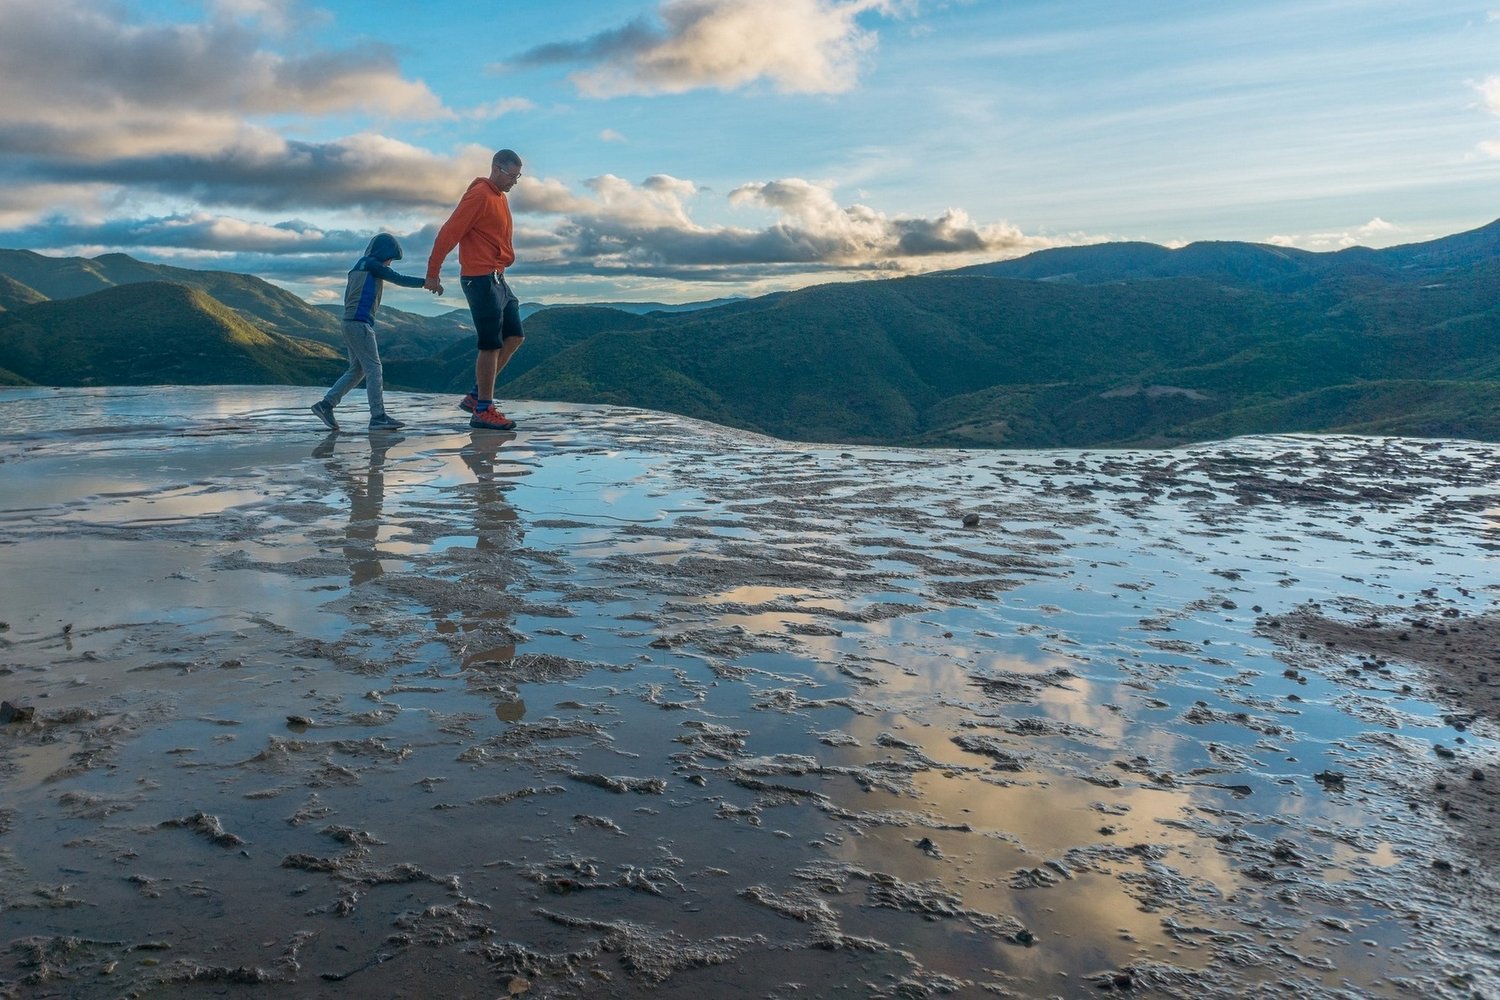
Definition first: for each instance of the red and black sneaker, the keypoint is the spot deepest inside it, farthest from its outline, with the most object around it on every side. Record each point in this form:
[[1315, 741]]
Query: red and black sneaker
[[492, 420]]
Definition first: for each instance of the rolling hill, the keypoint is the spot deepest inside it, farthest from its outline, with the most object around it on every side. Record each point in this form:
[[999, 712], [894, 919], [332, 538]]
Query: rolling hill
[[1107, 345], [154, 333]]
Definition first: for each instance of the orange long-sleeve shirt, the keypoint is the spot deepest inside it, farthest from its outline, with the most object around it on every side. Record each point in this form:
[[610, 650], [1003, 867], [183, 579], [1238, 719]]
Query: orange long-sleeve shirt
[[481, 229]]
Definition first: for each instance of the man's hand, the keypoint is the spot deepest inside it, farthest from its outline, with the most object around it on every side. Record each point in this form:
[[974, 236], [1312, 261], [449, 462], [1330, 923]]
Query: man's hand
[[433, 285]]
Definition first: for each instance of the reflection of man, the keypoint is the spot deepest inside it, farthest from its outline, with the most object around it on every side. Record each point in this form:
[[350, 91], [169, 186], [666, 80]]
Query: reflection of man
[[497, 536], [366, 501], [495, 524]]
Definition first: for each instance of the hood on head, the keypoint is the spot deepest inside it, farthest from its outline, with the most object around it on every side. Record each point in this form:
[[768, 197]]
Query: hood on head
[[384, 247]]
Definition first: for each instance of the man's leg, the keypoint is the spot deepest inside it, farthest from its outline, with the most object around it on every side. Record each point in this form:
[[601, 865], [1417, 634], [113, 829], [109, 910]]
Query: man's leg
[[486, 367], [507, 350], [511, 336]]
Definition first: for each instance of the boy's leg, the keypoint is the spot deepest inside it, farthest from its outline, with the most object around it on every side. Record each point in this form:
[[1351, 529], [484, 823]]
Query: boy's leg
[[362, 347], [349, 379]]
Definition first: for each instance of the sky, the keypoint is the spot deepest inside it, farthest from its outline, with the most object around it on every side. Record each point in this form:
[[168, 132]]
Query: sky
[[685, 150]]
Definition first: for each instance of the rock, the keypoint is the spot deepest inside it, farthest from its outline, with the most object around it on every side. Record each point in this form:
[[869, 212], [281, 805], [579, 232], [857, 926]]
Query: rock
[[15, 713], [298, 721], [971, 520]]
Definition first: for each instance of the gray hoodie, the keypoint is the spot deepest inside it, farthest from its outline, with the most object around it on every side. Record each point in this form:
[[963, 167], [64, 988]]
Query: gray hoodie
[[368, 276]]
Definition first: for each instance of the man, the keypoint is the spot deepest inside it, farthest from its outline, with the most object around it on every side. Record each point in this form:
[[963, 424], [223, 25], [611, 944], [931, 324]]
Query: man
[[481, 229]]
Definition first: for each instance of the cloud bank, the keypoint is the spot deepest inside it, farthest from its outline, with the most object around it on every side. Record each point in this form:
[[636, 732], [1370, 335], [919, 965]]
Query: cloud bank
[[103, 112], [799, 46], [93, 99]]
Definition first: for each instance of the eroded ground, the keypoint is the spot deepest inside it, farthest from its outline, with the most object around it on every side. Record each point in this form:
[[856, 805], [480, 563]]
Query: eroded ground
[[623, 704]]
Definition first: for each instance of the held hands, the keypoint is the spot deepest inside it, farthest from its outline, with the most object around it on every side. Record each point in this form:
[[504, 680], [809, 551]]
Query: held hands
[[433, 285]]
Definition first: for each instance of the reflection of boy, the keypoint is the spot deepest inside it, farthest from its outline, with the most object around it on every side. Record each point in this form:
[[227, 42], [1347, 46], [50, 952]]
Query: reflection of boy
[[366, 503], [361, 302], [480, 227]]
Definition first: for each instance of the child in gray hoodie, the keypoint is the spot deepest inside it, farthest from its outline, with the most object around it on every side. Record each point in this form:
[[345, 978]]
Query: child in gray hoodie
[[361, 301]]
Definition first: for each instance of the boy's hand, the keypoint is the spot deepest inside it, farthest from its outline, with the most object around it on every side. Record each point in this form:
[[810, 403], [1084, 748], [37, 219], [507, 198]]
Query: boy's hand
[[433, 285]]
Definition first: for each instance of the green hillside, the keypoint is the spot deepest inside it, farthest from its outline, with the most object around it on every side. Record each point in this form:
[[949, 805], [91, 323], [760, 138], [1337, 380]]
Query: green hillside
[[154, 333], [1118, 344], [273, 309], [14, 294]]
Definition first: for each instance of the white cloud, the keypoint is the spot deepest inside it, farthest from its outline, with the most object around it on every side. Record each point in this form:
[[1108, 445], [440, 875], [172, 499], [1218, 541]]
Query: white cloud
[[1489, 94], [648, 230], [610, 135], [500, 108], [800, 46], [1376, 232], [65, 57], [90, 98]]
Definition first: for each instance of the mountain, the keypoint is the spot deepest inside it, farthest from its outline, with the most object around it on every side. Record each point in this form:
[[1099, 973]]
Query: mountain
[[273, 309], [1111, 345], [1243, 264], [154, 333], [640, 308], [1117, 344]]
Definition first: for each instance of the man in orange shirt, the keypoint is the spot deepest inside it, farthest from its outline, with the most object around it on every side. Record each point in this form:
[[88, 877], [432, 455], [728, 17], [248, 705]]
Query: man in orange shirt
[[481, 229]]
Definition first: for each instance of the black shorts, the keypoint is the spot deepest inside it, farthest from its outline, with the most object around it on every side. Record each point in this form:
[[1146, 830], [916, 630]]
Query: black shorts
[[495, 309]]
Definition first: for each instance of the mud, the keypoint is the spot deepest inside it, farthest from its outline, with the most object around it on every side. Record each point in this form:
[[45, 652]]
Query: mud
[[622, 705]]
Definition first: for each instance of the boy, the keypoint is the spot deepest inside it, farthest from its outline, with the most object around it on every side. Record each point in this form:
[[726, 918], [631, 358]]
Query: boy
[[361, 301]]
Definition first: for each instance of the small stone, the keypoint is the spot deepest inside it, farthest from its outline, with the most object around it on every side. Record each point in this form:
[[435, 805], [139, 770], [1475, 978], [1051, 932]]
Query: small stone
[[971, 520], [15, 713], [298, 721], [1476, 775]]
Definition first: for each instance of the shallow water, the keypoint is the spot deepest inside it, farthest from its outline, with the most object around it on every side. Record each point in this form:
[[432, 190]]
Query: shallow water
[[623, 704]]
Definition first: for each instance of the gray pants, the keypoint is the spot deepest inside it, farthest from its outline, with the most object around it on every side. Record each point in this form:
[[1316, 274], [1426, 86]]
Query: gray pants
[[364, 363]]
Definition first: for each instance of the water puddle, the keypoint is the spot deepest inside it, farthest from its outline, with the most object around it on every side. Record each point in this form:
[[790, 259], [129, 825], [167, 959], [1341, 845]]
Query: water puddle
[[624, 705]]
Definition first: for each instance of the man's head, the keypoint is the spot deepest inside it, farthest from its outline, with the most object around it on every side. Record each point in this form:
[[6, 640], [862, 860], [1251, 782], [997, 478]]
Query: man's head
[[505, 169]]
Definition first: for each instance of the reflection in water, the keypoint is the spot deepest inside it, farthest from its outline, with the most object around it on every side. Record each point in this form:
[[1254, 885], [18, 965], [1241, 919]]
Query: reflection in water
[[366, 502], [495, 525], [861, 748], [510, 711], [497, 536]]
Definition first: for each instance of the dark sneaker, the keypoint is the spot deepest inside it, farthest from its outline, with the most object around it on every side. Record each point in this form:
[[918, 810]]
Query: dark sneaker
[[469, 403], [323, 410], [491, 419], [385, 422]]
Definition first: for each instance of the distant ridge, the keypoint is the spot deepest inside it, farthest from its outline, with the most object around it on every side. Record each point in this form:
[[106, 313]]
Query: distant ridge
[[638, 308], [1259, 265]]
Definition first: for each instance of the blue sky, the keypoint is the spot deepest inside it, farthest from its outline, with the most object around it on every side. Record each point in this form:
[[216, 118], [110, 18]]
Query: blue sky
[[678, 150]]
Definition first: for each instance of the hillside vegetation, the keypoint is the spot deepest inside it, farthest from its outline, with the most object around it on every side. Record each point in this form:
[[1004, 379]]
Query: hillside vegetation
[[1108, 345], [154, 334]]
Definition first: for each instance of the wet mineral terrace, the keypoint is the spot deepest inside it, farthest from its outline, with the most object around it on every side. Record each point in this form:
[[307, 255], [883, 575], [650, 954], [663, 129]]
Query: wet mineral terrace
[[622, 704]]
